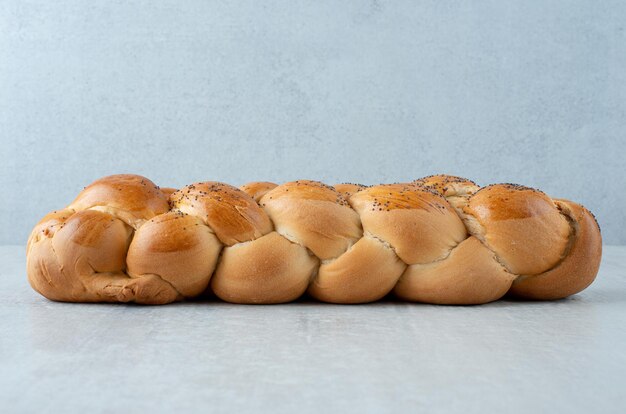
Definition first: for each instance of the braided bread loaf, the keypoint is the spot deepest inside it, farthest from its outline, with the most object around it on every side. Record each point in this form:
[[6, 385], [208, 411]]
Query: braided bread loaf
[[439, 239]]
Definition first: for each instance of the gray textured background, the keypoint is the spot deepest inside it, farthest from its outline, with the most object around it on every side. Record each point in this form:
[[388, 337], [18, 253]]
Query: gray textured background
[[530, 91]]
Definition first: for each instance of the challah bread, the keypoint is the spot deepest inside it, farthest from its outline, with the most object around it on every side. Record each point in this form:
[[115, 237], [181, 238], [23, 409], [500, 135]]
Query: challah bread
[[438, 239]]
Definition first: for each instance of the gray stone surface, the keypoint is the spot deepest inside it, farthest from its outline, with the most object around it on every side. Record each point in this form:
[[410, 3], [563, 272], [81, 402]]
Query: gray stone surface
[[566, 356], [532, 92]]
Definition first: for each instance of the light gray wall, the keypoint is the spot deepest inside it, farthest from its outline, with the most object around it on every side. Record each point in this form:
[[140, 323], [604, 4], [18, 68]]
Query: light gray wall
[[532, 92]]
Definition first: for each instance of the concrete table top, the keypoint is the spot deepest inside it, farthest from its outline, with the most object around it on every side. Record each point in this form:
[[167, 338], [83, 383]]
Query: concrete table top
[[563, 356]]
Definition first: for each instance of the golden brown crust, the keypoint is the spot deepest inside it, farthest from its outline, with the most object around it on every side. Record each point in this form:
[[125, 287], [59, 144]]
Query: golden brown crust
[[94, 240], [305, 190], [85, 260], [419, 224], [448, 185], [457, 190], [578, 268], [365, 273], [440, 240], [257, 189], [44, 272], [387, 197], [469, 275], [131, 198], [521, 225], [178, 248], [347, 189], [313, 215], [267, 270], [233, 215], [48, 225]]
